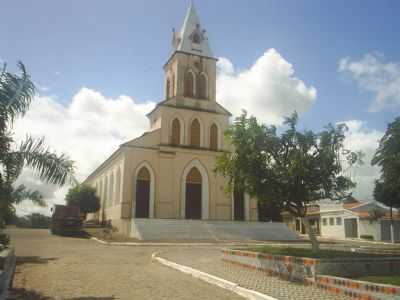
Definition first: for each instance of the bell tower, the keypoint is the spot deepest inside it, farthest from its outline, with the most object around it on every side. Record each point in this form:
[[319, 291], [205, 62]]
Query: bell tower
[[190, 73]]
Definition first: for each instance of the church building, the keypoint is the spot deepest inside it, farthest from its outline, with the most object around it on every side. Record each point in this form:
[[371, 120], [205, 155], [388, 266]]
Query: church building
[[168, 172]]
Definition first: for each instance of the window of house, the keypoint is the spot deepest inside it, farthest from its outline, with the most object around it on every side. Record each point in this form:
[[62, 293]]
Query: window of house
[[331, 221], [195, 133], [324, 222], [189, 84], [339, 221], [214, 137], [176, 132]]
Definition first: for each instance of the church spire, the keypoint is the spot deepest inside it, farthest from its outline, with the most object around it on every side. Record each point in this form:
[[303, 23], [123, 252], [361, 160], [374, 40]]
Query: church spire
[[192, 38]]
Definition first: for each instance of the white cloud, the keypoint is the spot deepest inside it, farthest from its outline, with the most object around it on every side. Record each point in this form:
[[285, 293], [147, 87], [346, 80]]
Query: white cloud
[[268, 89], [360, 138], [88, 129], [374, 75]]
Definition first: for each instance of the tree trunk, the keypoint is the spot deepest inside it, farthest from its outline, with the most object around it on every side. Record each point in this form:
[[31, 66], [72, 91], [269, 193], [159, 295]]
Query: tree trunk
[[391, 225], [311, 235]]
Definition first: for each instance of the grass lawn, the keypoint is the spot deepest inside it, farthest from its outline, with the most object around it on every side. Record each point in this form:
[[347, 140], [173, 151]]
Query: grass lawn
[[393, 280], [304, 252]]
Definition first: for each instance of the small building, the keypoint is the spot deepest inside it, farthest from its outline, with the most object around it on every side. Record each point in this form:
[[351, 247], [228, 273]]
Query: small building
[[351, 219]]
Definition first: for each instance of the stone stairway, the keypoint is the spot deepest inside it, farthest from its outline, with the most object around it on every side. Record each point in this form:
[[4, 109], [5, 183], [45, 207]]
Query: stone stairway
[[159, 229]]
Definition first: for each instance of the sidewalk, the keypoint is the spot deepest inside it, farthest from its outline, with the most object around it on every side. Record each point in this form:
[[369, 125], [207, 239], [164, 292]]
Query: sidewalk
[[209, 260]]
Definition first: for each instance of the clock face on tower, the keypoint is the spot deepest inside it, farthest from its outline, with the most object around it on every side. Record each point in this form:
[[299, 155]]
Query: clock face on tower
[[197, 35]]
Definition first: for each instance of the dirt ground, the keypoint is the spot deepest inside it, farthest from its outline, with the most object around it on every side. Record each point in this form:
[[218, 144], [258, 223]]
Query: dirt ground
[[51, 268]]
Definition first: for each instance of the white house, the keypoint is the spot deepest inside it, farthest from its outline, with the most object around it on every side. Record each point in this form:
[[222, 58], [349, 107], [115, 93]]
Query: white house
[[351, 219]]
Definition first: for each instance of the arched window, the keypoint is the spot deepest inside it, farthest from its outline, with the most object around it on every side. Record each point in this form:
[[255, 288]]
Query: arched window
[[106, 201], [118, 187], [111, 191], [195, 133], [214, 137], [144, 174], [168, 89], [194, 176], [176, 132], [202, 87], [189, 84]]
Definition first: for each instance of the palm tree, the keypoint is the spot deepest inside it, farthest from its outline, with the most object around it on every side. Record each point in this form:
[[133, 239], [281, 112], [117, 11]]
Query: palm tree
[[16, 95]]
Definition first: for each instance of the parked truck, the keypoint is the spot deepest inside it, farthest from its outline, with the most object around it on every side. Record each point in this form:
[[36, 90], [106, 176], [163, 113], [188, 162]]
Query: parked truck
[[66, 220]]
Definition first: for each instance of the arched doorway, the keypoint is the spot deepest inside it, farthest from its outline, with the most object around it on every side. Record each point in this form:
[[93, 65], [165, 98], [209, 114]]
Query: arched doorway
[[143, 181], [193, 195]]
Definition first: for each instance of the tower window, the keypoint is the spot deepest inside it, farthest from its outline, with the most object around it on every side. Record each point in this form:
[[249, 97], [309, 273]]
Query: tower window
[[202, 87], [195, 133], [214, 137], [189, 84], [176, 132]]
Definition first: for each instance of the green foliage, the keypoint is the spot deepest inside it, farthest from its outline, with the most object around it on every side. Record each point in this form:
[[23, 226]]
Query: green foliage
[[387, 156], [16, 95], [84, 197], [292, 169], [34, 221]]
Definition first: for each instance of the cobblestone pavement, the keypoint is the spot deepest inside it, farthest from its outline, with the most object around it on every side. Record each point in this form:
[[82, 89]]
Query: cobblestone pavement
[[52, 268], [209, 260]]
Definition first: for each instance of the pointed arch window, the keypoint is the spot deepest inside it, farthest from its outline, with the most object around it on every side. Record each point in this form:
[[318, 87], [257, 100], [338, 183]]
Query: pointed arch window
[[195, 133], [202, 87], [189, 84], [176, 132], [144, 174], [214, 137]]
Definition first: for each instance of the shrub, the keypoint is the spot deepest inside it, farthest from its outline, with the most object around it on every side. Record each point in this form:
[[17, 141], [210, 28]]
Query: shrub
[[367, 237]]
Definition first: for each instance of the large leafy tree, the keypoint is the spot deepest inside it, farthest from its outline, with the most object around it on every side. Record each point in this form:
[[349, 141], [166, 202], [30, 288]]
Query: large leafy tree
[[290, 170], [84, 197], [16, 94], [387, 156]]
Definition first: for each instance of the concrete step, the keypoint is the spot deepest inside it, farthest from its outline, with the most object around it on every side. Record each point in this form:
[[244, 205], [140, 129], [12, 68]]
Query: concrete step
[[158, 229]]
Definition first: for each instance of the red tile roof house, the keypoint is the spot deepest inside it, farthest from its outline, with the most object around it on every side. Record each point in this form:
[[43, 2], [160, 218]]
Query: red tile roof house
[[351, 219]]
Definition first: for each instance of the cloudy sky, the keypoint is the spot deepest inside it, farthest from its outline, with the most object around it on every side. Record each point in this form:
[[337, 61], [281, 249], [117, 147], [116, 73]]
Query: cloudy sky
[[98, 69]]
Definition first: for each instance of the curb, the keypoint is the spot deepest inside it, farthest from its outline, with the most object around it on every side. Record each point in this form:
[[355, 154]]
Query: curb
[[217, 281], [185, 244], [149, 244]]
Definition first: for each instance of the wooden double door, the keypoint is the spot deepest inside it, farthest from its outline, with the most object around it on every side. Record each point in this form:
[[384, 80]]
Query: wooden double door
[[142, 208], [193, 205]]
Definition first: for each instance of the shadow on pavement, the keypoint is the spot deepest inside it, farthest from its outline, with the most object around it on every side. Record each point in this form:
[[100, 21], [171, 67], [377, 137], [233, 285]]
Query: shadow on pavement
[[19, 294], [21, 260], [23, 294]]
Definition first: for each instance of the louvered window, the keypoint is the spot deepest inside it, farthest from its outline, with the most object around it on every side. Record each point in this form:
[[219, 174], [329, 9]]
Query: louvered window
[[214, 137], [195, 134]]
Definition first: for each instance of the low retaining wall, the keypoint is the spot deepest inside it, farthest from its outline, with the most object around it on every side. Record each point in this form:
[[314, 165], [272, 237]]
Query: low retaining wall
[[357, 289], [7, 269], [309, 271], [298, 268], [288, 267]]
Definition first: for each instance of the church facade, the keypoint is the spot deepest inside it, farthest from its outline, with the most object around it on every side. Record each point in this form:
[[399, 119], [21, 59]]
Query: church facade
[[168, 172]]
